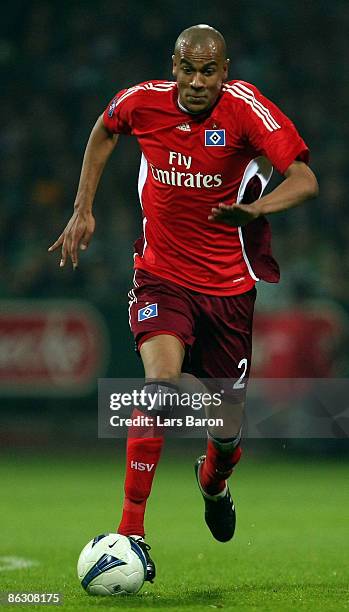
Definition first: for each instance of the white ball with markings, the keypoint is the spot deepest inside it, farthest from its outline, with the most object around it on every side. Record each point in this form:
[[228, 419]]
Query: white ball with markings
[[112, 564]]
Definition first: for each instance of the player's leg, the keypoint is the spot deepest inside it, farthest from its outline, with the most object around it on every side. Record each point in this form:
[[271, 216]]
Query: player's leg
[[223, 449], [162, 320], [212, 471], [162, 357], [223, 351]]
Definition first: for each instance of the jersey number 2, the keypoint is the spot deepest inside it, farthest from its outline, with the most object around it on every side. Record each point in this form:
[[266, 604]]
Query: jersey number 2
[[239, 384]]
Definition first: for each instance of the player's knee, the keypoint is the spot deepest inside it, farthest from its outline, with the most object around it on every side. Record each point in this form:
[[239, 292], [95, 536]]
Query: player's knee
[[159, 396]]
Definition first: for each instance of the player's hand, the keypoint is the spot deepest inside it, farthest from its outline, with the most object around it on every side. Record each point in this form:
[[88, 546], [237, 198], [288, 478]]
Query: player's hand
[[77, 234], [236, 214]]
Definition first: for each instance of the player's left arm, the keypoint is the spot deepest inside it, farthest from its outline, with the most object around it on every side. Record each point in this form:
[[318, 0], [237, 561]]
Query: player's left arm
[[300, 184]]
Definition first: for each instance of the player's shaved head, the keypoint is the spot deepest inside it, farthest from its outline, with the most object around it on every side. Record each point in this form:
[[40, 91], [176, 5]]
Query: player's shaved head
[[201, 36], [200, 66]]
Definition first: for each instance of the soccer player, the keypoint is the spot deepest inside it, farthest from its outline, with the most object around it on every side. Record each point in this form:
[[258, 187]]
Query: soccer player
[[208, 147]]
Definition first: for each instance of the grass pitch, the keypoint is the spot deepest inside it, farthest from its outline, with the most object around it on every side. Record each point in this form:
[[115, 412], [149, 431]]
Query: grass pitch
[[290, 551]]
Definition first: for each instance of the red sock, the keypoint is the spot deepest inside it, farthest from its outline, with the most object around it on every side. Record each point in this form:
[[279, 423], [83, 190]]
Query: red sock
[[217, 467], [142, 457]]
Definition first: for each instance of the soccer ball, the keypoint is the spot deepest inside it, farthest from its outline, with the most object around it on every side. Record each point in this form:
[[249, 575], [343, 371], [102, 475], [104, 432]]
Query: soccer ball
[[112, 564]]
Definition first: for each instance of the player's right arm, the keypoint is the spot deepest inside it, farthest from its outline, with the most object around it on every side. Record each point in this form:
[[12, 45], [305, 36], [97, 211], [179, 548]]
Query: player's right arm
[[80, 227]]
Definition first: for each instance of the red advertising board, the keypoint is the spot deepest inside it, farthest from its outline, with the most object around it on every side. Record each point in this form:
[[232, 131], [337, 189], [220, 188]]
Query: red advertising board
[[50, 347]]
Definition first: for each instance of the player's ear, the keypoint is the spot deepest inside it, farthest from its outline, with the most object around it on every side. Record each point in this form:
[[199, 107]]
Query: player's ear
[[174, 66], [226, 69]]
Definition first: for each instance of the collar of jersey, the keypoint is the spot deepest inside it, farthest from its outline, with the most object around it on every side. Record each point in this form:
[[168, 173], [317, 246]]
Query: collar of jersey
[[185, 110]]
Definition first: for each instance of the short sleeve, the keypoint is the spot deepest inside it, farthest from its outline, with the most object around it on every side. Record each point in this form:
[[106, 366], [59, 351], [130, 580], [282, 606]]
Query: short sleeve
[[267, 129], [117, 115]]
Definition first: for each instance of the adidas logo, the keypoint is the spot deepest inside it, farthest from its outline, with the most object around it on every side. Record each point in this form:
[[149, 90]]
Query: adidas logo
[[185, 127]]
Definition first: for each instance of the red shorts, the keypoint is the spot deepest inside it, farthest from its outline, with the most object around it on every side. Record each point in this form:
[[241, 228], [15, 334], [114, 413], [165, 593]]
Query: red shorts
[[215, 330]]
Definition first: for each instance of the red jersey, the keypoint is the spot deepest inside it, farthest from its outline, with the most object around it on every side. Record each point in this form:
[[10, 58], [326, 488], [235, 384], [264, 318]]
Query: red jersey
[[191, 163]]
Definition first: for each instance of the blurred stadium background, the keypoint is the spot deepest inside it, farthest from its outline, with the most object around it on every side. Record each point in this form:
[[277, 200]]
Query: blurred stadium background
[[61, 62]]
